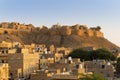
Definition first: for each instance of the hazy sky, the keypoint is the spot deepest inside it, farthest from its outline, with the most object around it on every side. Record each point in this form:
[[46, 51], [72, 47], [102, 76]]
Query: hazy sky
[[105, 13]]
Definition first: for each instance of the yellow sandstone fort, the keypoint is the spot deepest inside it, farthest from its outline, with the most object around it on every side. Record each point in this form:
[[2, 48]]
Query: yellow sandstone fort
[[81, 30], [14, 26]]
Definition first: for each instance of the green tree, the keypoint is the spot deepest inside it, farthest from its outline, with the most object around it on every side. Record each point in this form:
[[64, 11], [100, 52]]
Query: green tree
[[102, 54], [118, 59], [93, 77], [90, 55], [118, 66], [80, 53], [98, 28]]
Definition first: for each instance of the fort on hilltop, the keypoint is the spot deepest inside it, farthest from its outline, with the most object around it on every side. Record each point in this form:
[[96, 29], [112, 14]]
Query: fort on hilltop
[[80, 30], [14, 27], [69, 36]]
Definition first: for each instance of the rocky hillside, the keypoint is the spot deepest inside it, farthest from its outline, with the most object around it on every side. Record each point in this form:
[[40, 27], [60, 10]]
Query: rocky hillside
[[73, 41], [61, 36]]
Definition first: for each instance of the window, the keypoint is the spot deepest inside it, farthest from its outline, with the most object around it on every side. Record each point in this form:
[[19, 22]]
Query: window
[[3, 61], [103, 66], [5, 32], [2, 52]]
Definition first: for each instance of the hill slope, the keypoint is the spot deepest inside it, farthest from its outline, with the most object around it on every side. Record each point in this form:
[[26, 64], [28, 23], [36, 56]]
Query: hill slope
[[73, 41], [61, 36]]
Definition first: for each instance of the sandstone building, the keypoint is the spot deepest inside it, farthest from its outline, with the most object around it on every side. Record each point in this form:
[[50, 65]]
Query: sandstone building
[[65, 69], [26, 59], [101, 67], [21, 65], [21, 61], [4, 71]]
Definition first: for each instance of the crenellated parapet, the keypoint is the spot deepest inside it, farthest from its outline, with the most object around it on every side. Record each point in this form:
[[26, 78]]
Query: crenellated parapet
[[80, 30], [15, 26]]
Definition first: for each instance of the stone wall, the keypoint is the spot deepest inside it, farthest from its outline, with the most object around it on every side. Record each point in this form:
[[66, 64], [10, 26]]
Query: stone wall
[[99, 34], [14, 26], [65, 30], [80, 30], [7, 30], [4, 71], [15, 62], [21, 65], [90, 33]]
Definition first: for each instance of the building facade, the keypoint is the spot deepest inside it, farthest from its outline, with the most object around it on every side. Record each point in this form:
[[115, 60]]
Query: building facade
[[4, 71]]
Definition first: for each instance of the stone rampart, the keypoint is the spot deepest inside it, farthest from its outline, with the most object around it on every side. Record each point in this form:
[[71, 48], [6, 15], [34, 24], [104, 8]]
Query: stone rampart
[[80, 30]]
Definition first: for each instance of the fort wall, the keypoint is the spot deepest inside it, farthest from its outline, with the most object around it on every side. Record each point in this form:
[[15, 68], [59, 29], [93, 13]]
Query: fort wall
[[76, 30], [14, 26], [80, 30]]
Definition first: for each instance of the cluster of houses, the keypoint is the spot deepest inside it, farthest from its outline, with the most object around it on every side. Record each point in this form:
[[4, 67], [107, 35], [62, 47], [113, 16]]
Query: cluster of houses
[[38, 62]]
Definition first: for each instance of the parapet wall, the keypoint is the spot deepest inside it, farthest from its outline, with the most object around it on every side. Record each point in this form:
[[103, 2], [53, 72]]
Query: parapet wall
[[14, 26], [80, 30]]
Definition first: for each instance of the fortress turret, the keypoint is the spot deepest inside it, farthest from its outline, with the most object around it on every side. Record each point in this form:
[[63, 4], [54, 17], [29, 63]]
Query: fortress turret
[[65, 30]]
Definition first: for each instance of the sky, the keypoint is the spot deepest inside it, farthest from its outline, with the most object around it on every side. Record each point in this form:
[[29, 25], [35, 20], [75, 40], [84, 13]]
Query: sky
[[104, 13]]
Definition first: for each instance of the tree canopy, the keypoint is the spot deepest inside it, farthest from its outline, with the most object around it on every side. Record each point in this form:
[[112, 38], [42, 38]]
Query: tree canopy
[[90, 55], [98, 28], [118, 66]]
